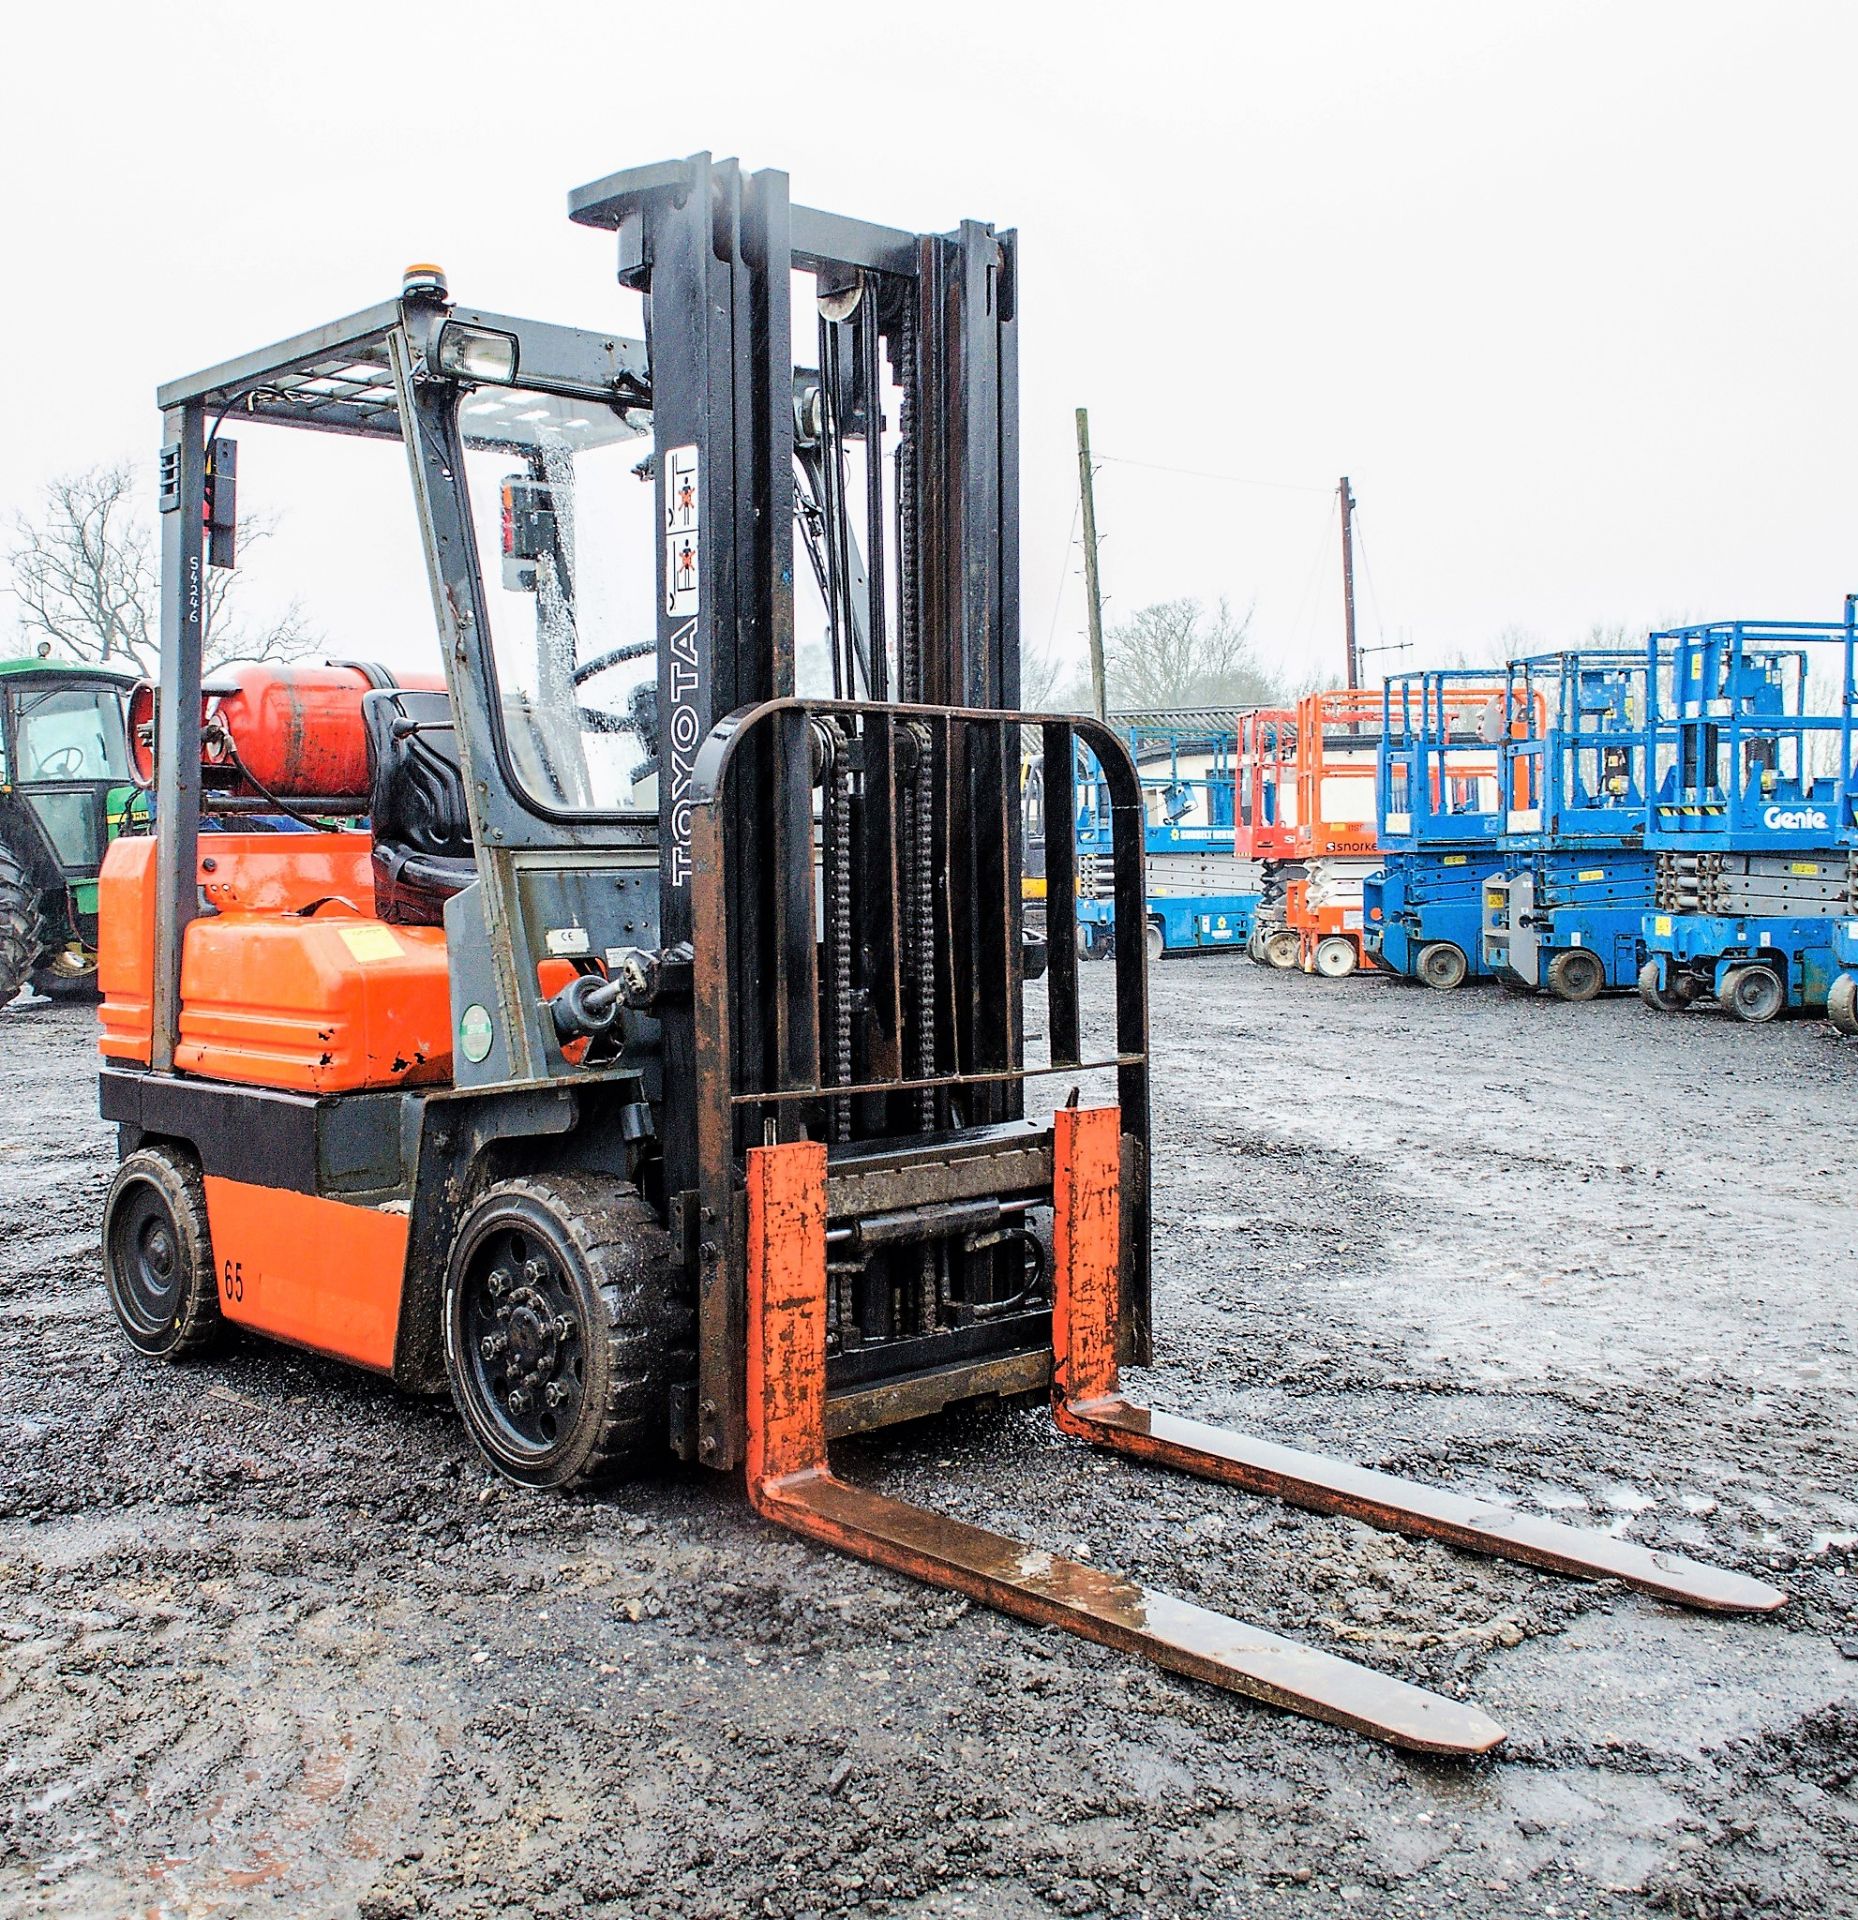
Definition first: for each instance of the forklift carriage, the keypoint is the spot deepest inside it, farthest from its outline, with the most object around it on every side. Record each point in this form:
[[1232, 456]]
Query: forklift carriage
[[651, 1069]]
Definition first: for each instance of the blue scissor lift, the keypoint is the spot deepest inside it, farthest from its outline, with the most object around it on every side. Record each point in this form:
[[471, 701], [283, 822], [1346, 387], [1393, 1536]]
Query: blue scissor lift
[[1565, 912], [1440, 814], [1751, 736], [1200, 895]]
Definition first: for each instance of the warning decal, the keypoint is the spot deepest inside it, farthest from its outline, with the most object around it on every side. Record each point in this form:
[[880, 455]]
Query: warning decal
[[682, 539]]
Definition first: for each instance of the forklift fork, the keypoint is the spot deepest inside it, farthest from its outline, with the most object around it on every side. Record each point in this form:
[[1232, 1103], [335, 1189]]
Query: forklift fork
[[1086, 1402], [791, 1483]]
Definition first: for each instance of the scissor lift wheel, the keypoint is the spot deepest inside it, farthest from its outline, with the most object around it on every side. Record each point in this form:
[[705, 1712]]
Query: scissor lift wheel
[[1283, 949], [1576, 975], [1752, 994], [1157, 940], [1336, 957], [1842, 1003], [1443, 965], [158, 1254], [564, 1329]]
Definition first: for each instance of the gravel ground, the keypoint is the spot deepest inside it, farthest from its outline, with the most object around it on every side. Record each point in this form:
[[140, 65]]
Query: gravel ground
[[272, 1642]]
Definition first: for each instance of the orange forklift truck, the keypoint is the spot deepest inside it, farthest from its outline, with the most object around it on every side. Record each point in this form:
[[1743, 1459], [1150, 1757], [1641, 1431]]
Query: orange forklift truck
[[651, 1072]]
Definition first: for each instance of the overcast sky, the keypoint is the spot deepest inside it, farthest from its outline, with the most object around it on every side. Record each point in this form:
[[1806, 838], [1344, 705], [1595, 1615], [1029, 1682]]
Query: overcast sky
[[1566, 290]]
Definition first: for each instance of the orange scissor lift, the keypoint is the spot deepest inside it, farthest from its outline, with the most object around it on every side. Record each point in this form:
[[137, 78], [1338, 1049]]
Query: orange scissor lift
[[1265, 825], [1338, 749]]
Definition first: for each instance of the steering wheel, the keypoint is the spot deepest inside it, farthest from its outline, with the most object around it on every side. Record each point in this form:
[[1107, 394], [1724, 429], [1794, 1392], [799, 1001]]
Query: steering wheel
[[600, 719], [62, 763]]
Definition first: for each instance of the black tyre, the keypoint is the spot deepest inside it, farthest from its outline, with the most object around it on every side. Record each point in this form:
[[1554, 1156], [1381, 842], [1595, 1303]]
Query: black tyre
[[1752, 994], [70, 973], [1576, 975], [1842, 1003], [1670, 999], [1443, 965], [22, 924], [1156, 939], [566, 1324], [158, 1254]]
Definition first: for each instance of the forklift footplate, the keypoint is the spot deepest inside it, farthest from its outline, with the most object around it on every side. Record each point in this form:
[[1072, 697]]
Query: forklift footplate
[[790, 1483], [1085, 1402]]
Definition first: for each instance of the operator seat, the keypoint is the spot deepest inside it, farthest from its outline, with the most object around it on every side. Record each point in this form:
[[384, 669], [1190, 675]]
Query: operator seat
[[422, 833]]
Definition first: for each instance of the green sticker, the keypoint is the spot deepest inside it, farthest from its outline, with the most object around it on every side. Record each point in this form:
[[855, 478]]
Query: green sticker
[[475, 1034]]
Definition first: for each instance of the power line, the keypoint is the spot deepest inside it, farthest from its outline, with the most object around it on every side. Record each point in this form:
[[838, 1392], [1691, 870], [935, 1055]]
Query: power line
[[1064, 567], [1201, 473], [1309, 584]]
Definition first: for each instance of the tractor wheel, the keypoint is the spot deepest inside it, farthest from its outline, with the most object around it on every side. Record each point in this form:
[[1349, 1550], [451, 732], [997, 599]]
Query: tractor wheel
[[1842, 1003], [1283, 950], [70, 974], [158, 1254], [1443, 965], [1336, 957], [1576, 975], [566, 1325], [1752, 994], [22, 924], [1157, 940], [1670, 999]]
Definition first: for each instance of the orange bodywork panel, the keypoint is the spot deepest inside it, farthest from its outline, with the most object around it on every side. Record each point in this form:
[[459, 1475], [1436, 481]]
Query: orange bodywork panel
[[316, 1272], [293, 983]]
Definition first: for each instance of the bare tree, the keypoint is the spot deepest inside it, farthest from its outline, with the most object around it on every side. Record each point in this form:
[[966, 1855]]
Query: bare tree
[[86, 576], [1044, 686], [1177, 654]]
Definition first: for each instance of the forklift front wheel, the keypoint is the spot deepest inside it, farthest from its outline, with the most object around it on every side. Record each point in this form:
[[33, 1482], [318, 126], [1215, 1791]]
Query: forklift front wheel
[[1336, 957], [1842, 1003], [1752, 994], [1443, 965], [1575, 975], [1283, 950], [158, 1254], [562, 1327]]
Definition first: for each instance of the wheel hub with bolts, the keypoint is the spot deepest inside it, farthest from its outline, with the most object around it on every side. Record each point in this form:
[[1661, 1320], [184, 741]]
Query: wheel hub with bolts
[[526, 1341]]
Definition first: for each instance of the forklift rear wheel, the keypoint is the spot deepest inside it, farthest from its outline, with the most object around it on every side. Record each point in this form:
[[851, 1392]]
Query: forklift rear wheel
[[1661, 999], [22, 924], [1842, 1003], [566, 1326], [1752, 994], [1443, 965], [1157, 940], [1283, 950], [158, 1254], [1575, 975], [1336, 957]]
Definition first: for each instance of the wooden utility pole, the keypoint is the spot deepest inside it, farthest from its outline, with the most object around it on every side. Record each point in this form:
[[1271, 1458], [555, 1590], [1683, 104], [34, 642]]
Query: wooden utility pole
[[1348, 580], [1093, 592]]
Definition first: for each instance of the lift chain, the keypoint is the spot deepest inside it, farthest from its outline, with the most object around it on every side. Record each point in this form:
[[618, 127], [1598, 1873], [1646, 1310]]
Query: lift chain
[[839, 858]]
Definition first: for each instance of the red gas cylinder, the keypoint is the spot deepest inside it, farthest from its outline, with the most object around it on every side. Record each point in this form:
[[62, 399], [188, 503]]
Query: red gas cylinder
[[292, 732]]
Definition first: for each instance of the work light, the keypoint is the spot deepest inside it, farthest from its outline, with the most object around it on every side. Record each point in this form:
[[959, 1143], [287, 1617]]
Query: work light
[[476, 353]]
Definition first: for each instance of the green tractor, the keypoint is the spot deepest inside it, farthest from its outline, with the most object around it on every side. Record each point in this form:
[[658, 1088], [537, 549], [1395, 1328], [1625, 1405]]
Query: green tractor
[[66, 790]]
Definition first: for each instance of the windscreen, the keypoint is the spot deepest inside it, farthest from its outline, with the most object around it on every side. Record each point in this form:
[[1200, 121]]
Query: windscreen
[[71, 733], [563, 510]]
